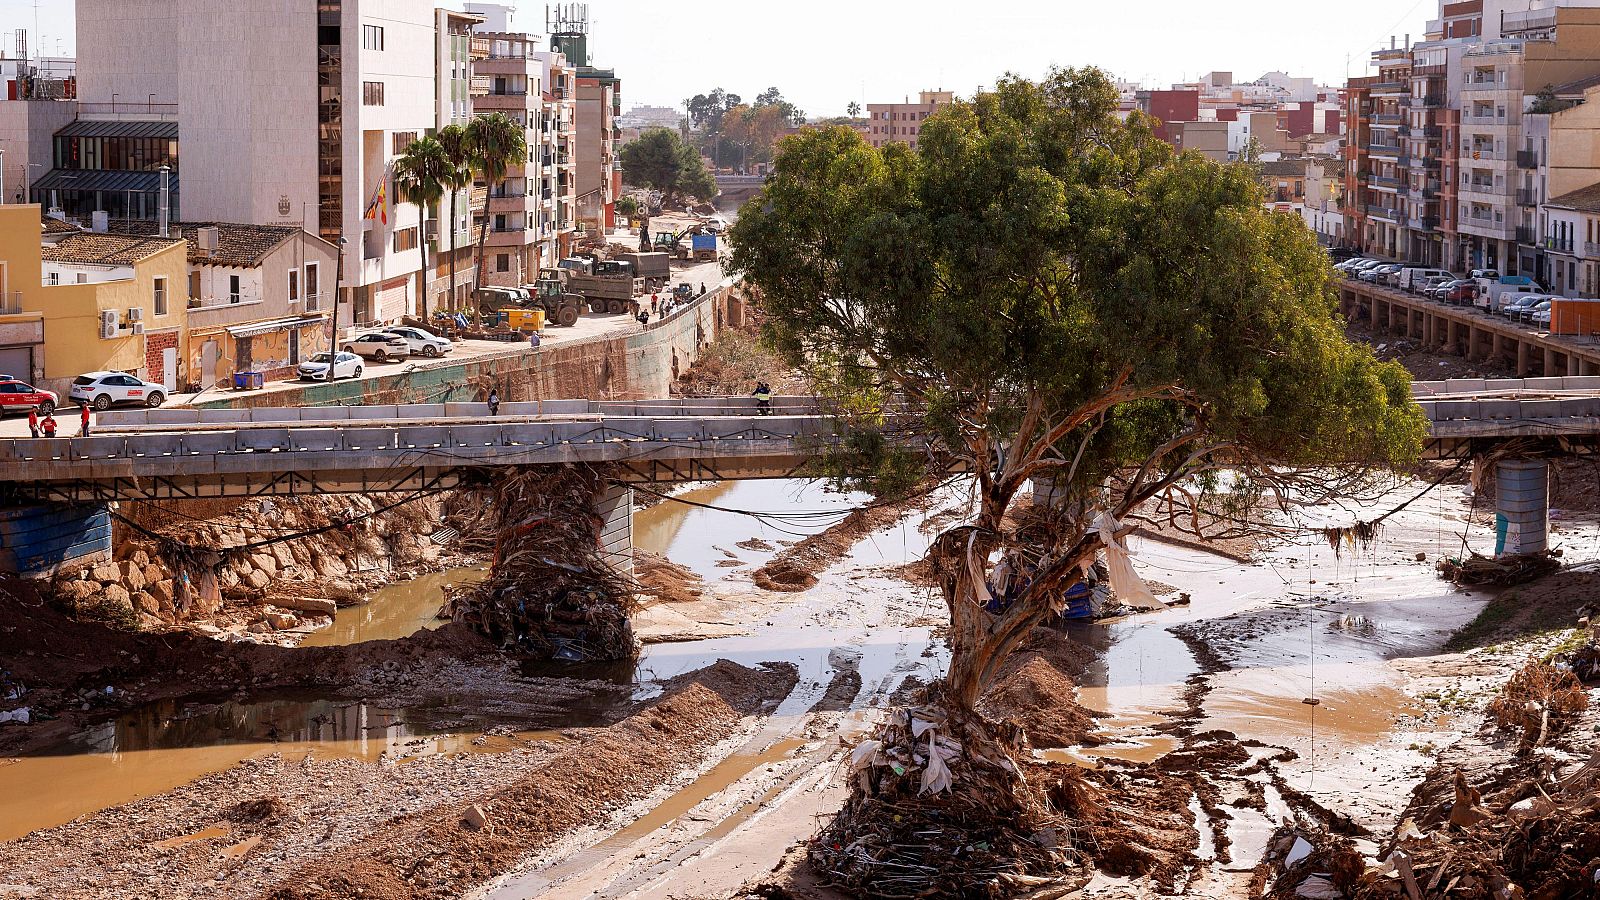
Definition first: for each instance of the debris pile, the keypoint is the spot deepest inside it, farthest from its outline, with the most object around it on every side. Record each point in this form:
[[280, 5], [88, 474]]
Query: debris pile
[[1305, 861], [942, 810], [549, 593], [1503, 572], [1540, 701]]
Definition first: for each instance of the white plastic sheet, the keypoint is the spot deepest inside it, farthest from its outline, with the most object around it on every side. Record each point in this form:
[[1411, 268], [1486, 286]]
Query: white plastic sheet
[[936, 777], [975, 570], [1127, 584], [863, 755]]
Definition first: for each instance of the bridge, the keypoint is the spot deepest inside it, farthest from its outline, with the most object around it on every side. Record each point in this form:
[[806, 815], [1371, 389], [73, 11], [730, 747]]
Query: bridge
[[734, 190], [188, 454]]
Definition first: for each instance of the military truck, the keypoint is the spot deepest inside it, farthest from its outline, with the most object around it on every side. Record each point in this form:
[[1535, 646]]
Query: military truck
[[561, 305], [654, 268], [608, 285]]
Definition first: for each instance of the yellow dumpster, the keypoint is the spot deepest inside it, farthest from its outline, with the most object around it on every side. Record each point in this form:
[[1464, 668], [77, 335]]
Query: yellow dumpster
[[525, 319]]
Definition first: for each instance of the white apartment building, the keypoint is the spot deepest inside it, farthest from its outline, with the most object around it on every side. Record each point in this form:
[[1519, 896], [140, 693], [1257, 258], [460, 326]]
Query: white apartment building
[[290, 112]]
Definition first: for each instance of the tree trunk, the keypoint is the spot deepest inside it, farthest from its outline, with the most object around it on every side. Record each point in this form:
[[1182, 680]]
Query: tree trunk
[[423, 245], [454, 196], [483, 239]]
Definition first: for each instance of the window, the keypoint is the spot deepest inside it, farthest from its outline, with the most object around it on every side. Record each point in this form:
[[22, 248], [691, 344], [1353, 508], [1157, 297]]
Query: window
[[233, 289], [502, 262], [52, 278], [372, 37], [160, 296], [294, 285], [402, 140], [371, 93], [194, 285], [405, 239]]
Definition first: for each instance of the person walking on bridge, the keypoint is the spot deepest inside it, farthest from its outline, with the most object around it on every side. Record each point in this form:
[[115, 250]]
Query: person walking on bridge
[[48, 426], [83, 418], [494, 402], [33, 420], [763, 395]]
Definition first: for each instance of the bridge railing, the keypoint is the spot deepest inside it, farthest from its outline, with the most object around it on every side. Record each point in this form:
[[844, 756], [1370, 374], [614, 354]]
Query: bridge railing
[[454, 444], [362, 415], [1425, 389]]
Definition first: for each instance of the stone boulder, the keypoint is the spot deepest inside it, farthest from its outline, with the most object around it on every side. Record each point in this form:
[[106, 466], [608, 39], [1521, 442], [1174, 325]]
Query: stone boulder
[[314, 605]]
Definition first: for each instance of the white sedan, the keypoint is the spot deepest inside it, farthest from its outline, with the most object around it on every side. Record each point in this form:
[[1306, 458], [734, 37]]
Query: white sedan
[[379, 346], [102, 390], [347, 365], [423, 342]]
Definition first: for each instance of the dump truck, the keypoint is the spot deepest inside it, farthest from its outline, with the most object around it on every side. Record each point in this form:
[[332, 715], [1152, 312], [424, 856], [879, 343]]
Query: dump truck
[[705, 247]]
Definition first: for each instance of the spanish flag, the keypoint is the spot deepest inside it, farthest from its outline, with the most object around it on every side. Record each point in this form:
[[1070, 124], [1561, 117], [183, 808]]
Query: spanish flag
[[379, 207]]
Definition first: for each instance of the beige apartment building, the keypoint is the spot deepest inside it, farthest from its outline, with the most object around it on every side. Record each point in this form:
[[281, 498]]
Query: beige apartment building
[[286, 112], [902, 122]]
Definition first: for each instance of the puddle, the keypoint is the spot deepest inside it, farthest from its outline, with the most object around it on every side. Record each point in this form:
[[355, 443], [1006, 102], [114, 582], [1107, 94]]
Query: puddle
[[164, 745], [396, 611], [204, 834], [697, 538]]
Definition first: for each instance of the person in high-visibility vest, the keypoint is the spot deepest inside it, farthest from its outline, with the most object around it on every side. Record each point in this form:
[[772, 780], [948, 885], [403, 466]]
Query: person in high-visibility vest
[[763, 395]]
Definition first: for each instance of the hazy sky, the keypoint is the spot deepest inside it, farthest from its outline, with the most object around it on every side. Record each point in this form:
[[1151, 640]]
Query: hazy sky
[[825, 53]]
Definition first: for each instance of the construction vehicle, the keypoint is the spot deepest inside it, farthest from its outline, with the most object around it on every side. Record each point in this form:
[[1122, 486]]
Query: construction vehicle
[[509, 305], [671, 242], [705, 247], [560, 304]]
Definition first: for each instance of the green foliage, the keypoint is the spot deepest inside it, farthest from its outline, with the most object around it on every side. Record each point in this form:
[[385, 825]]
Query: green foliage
[[1056, 287], [734, 133], [661, 160], [420, 177], [627, 206], [496, 142], [853, 110]]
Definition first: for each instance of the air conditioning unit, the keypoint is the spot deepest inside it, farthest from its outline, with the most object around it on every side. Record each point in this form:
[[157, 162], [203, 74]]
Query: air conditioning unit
[[431, 231], [136, 314], [108, 324], [138, 327]]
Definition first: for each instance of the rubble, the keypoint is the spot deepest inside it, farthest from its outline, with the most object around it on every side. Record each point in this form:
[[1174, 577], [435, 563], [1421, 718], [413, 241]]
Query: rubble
[[549, 594], [1539, 700], [1502, 572]]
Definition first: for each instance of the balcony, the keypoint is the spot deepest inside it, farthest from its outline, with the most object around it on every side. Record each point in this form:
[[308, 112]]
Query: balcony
[[1390, 87], [508, 203], [10, 303], [1558, 245], [1527, 197], [480, 47], [501, 100], [1484, 121], [1428, 101], [1392, 150], [1526, 236], [1388, 119], [1382, 212], [1527, 159], [1591, 249]]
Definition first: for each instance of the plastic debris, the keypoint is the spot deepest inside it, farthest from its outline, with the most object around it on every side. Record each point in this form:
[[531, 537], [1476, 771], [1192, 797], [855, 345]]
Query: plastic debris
[[1125, 582]]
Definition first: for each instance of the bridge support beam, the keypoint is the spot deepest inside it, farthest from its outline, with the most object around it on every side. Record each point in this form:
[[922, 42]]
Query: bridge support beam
[[1550, 370], [1524, 363], [1522, 506]]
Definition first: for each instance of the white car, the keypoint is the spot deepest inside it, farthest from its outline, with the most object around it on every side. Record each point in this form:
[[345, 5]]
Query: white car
[[379, 346], [422, 342], [347, 365], [102, 390]]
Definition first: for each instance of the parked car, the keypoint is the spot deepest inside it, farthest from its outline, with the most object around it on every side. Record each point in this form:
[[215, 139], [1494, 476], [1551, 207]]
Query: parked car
[[106, 389], [1541, 315], [1527, 313], [20, 396], [1358, 266], [346, 365], [1464, 293], [379, 346], [1515, 304], [1440, 290], [1414, 279], [422, 342], [1429, 286], [1379, 274]]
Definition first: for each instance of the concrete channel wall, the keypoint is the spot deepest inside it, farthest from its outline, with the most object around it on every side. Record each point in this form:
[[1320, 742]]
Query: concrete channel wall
[[625, 366], [1468, 332]]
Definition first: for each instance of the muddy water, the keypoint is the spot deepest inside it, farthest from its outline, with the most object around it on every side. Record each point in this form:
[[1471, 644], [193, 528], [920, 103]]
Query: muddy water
[[393, 612], [164, 745], [705, 540]]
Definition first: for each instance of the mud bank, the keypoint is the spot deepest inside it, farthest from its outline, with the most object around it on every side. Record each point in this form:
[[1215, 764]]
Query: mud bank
[[301, 824]]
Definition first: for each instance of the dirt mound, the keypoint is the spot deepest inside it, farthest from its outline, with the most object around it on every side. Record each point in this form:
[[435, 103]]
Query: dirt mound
[[796, 568], [1039, 697], [438, 854], [664, 579]]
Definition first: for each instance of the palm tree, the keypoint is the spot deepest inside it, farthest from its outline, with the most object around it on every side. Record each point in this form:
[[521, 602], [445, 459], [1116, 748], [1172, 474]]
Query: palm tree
[[458, 175], [854, 109], [497, 143], [419, 177]]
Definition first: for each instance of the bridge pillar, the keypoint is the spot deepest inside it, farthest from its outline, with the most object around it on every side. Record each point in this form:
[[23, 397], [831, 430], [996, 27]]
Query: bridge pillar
[[1500, 351], [615, 508], [1524, 364], [1430, 328], [1522, 506], [1550, 370]]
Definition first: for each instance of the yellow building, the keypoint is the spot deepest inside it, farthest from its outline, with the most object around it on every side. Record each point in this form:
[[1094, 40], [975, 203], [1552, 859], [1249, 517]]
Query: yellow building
[[107, 302]]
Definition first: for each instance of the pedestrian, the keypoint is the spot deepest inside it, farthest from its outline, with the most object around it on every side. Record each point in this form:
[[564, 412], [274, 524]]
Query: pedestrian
[[83, 418], [48, 426], [494, 402], [655, 304], [644, 319], [534, 340], [702, 288], [33, 420], [763, 395]]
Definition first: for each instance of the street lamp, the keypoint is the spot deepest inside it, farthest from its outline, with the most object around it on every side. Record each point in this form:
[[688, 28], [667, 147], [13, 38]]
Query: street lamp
[[338, 288]]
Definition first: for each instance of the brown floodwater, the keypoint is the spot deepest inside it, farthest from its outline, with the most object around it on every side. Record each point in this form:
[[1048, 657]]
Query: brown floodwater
[[705, 540], [393, 612], [165, 745]]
